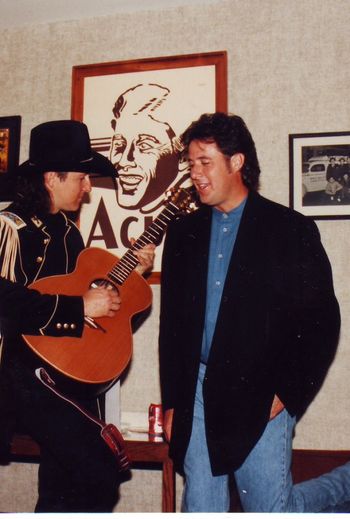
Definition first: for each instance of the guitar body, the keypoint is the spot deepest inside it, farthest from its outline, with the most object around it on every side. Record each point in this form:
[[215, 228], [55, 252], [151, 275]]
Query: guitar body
[[100, 355]]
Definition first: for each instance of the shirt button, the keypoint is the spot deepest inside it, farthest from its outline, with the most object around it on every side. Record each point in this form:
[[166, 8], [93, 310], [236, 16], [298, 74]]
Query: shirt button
[[225, 229], [220, 255], [39, 259], [217, 283], [46, 241]]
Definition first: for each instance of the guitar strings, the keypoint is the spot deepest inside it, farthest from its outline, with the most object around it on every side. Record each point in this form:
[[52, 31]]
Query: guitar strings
[[128, 262]]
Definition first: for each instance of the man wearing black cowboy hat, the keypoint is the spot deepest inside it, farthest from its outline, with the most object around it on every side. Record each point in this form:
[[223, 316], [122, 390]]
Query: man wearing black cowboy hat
[[78, 472]]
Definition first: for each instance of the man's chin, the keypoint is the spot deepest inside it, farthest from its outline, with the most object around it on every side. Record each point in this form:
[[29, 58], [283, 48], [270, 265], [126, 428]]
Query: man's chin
[[129, 200], [72, 208]]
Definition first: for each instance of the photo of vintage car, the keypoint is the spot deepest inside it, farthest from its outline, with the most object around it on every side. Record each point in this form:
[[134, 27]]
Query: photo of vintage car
[[314, 175]]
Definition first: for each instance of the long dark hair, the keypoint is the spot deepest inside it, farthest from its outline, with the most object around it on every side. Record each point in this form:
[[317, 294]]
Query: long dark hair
[[30, 193], [231, 135]]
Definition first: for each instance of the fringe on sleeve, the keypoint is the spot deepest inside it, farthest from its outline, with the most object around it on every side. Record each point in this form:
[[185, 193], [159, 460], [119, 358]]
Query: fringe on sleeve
[[9, 245]]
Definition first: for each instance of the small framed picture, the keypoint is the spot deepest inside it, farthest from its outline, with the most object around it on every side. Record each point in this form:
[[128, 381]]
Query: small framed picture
[[320, 174], [10, 129]]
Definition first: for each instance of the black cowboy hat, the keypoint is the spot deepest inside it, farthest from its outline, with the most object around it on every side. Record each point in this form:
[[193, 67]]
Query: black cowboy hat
[[64, 146]]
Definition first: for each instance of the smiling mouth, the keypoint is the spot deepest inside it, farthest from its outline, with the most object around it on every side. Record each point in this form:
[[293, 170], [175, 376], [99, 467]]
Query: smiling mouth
[[201, 188], [129, 183]]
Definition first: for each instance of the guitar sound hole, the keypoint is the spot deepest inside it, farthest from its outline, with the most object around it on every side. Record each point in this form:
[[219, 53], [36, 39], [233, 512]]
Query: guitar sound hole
[[104, 283]]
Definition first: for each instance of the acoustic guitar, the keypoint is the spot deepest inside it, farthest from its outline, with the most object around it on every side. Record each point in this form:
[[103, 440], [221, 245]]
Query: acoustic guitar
[[105, 348]]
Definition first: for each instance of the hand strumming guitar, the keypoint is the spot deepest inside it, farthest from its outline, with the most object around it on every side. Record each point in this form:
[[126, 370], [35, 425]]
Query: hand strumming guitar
[[101, 302]]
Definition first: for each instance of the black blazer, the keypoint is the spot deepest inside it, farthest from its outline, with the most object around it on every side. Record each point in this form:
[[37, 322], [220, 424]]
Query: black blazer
[[276, 332]]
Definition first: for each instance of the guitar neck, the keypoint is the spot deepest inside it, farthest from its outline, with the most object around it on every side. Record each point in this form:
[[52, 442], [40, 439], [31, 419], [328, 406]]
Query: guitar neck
[[153, 234]]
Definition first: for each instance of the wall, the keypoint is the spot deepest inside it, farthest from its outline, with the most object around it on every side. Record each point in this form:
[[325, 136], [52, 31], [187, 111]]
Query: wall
[[288, 73]]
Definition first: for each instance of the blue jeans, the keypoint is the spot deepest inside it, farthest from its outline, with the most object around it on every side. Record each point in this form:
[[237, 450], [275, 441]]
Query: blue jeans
[[264, 481]]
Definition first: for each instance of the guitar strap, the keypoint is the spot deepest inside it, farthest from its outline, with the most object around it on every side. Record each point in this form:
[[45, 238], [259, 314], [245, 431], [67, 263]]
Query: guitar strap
[[109, 432]]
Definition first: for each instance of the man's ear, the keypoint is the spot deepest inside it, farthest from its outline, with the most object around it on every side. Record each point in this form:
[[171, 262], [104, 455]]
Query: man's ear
[[49, 179], [237, 161]]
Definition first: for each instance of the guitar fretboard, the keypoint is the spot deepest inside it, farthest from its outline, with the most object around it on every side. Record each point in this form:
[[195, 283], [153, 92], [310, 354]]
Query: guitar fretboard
[[152, 234]]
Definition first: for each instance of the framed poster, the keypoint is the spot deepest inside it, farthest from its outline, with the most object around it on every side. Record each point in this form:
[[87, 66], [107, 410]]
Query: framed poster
[[10, 129], [135, 112], [320, 174]]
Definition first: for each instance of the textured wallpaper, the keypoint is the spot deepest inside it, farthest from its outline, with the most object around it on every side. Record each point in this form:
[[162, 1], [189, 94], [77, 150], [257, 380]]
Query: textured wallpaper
[[288, 72]]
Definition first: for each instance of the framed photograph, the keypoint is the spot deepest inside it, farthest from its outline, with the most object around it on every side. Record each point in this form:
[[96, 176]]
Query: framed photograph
[[135, 112], [10, 130], [320, 174]]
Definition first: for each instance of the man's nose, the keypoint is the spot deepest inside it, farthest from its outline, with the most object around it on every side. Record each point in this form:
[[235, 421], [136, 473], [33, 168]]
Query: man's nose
[[87, 184], [128, 157], [195, 171]]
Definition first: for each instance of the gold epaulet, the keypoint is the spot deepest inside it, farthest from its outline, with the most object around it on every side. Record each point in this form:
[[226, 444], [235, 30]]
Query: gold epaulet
[[14, 219], [10, 223]]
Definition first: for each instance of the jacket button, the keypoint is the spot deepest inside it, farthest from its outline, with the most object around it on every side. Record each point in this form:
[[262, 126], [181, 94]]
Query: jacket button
[[46, 241], [73, 326], [39, 259], [58, 326], [66, 326]]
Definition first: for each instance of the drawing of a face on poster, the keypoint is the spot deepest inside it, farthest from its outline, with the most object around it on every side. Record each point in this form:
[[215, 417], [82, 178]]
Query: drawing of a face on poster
[[143, 147], [135, 119]]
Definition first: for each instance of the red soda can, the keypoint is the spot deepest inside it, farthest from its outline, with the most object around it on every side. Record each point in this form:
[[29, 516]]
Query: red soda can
[[155, 420]]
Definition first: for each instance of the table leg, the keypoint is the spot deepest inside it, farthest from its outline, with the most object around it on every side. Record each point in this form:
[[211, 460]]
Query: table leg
[[168, 490]]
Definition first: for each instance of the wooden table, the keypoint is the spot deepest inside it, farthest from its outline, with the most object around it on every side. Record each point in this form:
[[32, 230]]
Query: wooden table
[[140, 448]]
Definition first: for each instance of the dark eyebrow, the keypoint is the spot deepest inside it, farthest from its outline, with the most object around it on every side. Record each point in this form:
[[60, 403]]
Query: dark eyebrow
[[199, 158]]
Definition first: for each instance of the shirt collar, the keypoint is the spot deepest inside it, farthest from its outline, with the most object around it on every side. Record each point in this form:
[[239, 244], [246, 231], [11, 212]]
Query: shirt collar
[[230, 215]]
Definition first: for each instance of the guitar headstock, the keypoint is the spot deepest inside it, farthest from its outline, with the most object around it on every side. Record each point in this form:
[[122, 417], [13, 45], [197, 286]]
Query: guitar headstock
[[184, 199]]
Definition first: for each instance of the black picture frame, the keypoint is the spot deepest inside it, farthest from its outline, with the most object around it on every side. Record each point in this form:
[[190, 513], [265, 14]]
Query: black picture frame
[[318, 163], [10, 133]]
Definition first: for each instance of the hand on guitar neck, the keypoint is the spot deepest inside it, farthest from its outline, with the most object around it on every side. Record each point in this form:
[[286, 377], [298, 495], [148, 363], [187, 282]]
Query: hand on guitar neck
[[145, 257]]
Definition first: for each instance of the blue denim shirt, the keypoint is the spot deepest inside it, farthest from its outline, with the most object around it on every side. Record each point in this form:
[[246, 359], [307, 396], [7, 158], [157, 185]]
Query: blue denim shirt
[[223, 235]]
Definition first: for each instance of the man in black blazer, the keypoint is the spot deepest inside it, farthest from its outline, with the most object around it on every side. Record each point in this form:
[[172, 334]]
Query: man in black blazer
[[249, 326]]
